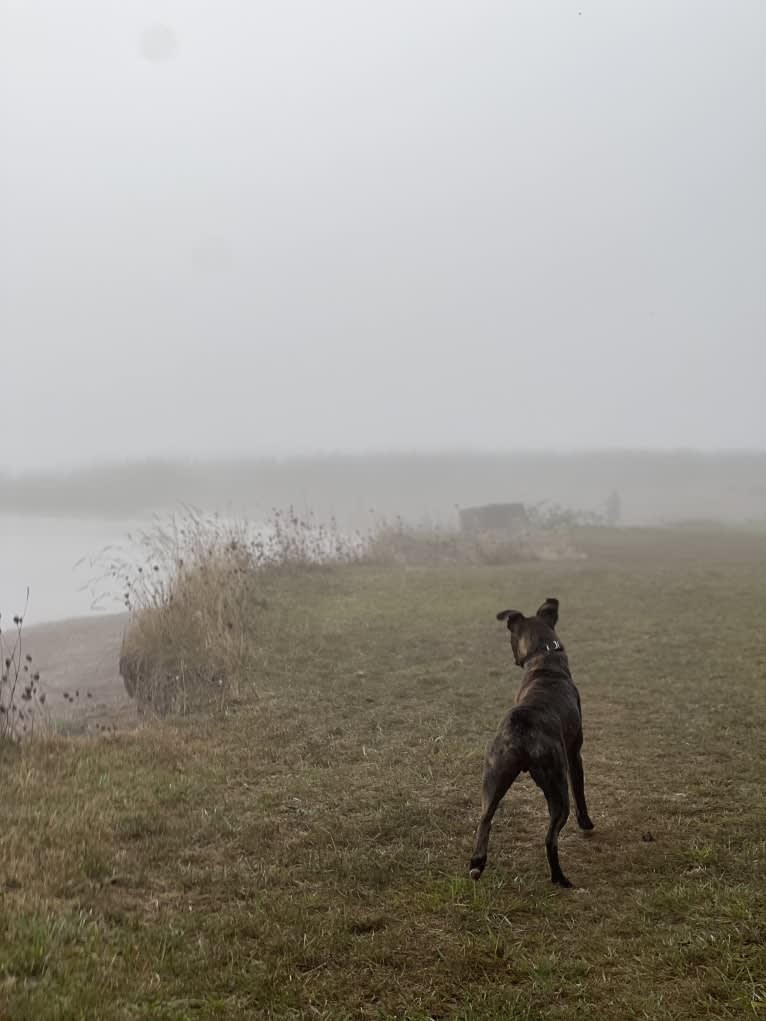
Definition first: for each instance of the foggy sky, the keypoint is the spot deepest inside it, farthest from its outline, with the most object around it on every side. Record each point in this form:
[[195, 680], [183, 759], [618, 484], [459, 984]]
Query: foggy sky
[[248, 227]]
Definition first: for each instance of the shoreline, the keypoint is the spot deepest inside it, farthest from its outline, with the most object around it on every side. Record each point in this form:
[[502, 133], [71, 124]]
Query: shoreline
[[79, 656]]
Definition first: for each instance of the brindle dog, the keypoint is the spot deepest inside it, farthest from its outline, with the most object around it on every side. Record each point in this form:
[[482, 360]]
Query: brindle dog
[[541, 735]]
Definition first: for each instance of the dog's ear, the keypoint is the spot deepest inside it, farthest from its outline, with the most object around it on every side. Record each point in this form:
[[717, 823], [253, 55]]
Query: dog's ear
[[513, 617], [549, 612]]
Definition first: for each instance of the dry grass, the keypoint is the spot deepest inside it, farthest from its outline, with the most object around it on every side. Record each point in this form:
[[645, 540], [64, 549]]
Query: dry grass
[[23, 713], [196, 601], [306, 855], [428, 545]]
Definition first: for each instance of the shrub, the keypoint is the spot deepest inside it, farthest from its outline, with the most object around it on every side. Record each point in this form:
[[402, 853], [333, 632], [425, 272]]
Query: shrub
[[22, 700], [195, 601], [546, 515], [412, 545], [428, 545]]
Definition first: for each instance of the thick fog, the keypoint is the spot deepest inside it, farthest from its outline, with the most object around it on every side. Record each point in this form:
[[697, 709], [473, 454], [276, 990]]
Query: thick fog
[[242, 227]]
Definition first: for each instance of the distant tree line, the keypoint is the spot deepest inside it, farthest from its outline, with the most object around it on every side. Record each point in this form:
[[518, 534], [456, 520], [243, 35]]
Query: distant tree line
[[643, 487]]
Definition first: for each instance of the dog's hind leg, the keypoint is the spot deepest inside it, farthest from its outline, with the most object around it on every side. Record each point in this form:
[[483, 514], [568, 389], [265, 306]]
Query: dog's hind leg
[[550, 776], [577, 777], [498, 777]]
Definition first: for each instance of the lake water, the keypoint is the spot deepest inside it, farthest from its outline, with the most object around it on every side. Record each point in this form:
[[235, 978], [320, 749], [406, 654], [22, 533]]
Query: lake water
[[63, 562], [57, 559]]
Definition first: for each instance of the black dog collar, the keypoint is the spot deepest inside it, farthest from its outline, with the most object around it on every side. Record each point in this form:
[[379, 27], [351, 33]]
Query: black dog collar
[[541, 650]]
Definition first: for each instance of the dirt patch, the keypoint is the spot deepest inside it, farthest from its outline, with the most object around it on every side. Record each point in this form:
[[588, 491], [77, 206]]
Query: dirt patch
[[77, 660]]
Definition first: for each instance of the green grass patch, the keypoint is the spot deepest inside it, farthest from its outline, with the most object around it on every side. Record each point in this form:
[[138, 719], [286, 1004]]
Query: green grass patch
[[305, 855]]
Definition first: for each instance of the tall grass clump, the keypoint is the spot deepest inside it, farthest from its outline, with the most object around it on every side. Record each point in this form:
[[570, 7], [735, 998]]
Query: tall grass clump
[[399, 543], [430, 545], [22, 701], [196, 598], [547, 516]]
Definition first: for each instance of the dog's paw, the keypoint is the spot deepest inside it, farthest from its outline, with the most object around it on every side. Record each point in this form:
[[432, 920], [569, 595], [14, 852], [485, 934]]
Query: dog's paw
[[562, 881], [476, 867]]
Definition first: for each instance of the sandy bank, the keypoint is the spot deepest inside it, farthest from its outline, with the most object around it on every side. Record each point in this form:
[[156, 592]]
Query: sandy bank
[[80, 657]]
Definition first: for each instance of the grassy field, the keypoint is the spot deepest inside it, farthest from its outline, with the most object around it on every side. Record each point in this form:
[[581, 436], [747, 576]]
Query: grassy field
[[306, 855]]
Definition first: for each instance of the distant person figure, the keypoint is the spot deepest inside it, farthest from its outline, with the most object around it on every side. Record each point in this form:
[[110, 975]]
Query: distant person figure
[[613, 509]]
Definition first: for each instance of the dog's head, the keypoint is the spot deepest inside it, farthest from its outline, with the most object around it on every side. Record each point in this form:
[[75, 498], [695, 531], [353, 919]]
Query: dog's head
[[528, 634]]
